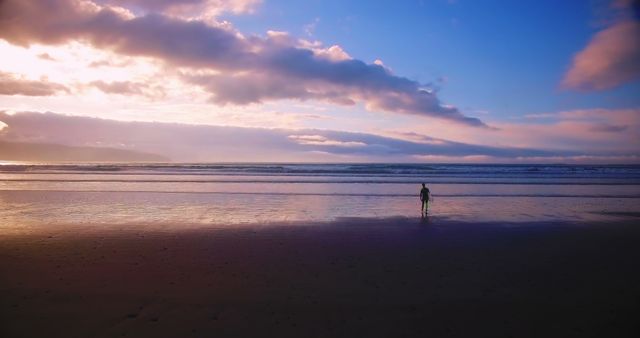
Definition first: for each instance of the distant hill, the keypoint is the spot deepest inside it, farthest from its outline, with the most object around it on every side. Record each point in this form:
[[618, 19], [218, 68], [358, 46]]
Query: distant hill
[[43, 152]]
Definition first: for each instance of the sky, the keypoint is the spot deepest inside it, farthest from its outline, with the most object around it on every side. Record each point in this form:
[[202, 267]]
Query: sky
[[326, 81]]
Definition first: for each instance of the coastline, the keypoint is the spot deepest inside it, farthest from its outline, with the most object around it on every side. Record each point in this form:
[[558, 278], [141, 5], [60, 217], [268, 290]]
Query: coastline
[[350, 277]]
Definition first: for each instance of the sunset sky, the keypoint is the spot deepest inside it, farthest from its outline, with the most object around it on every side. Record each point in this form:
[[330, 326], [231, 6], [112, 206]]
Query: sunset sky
[[331, 80]]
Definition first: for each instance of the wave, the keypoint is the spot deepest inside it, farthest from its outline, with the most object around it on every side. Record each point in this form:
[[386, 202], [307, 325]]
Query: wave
[[495, 181], [422, 176], [329, 169], [413, 196]]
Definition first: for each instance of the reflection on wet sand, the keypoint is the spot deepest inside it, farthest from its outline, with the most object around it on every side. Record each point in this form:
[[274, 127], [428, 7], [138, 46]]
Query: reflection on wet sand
[[228, 209]]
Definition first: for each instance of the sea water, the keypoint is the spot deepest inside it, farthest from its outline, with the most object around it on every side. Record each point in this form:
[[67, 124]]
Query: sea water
[[231, 194]]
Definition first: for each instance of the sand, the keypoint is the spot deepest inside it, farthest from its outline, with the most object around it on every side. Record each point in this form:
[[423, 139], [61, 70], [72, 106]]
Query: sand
[[349, 278]]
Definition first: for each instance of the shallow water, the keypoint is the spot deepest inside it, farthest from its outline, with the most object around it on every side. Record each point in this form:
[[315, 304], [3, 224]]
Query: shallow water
[[249, 193]]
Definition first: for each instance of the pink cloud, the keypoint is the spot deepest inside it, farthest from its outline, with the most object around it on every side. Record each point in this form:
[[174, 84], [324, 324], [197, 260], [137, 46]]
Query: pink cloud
[[13, 85], [610, 59], [190, 9], [128, 88], [612, 131], [46, 56]]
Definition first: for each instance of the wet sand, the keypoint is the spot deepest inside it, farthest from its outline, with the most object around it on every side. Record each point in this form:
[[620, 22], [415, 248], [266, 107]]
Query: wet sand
[[349, 278]]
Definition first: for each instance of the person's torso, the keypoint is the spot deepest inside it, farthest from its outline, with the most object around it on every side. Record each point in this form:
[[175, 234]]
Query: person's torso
[[424, 192]]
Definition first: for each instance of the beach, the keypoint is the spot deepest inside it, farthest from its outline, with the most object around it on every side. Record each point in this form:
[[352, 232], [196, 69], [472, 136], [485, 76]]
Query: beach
[[318, 250], [390, 277]]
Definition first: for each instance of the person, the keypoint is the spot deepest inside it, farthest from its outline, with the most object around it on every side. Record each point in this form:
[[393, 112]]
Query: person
[[425, 194]]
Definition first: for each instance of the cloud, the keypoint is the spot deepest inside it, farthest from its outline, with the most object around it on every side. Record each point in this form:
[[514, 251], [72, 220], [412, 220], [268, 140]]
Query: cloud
[[189, 9], [13, 85], [128, 88], [244, 89], [608, 128], [611, 58], [109, 63], [255, 62], [310, 28], [46, 56], [319, 140], [334, 53], [39, 152], [590, 131], [183, 142]]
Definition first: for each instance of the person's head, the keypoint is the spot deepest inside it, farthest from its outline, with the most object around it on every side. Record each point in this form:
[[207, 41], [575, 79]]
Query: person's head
[[422, 184]]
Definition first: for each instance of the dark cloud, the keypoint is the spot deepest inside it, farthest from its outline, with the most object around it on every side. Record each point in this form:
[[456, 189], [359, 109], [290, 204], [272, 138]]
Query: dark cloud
[[256, 88], [252, 65], [608, 128], [380, 145], [182, 142], [12, 85]]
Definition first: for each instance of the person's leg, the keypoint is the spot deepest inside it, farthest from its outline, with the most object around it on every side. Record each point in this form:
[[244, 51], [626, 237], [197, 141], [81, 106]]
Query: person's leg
[[425, 206]]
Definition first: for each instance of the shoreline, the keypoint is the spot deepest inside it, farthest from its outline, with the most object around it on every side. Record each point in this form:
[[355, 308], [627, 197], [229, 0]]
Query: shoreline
[[350, 277], [397, 222]]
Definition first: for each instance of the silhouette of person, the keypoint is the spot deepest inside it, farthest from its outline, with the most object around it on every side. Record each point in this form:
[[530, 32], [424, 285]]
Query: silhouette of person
[[425, 194]]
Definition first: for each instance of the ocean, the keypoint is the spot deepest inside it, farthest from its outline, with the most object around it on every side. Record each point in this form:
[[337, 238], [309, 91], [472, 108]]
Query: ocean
[[240, 193]]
